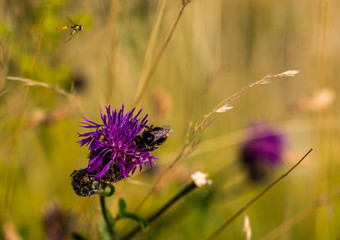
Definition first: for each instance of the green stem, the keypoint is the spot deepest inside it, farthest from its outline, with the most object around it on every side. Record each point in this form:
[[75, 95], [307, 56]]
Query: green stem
[[108, 224]]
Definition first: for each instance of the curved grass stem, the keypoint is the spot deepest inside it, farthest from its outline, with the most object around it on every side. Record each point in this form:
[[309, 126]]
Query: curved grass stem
[[146, 82]]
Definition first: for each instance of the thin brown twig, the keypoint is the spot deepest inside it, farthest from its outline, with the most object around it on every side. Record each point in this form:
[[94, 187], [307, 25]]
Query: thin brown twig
[[239, 212]]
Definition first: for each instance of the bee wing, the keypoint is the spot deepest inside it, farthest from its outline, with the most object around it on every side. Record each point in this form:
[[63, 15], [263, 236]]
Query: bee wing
[[71, 35], [70, 20], [168, 129], [165, 132]]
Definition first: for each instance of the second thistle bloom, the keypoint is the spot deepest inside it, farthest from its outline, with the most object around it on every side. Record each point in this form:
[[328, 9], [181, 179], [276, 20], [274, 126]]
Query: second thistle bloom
[[262, 151], [114, 153]]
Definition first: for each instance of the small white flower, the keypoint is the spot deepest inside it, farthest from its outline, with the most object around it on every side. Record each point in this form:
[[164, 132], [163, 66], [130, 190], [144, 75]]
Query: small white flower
[[200, 179]]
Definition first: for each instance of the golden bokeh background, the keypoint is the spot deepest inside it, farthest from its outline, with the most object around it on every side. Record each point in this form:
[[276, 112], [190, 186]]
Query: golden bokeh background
[[216, 48]]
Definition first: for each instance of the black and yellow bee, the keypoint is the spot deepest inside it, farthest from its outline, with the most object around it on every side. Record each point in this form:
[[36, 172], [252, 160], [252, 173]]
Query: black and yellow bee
[[153, 137]]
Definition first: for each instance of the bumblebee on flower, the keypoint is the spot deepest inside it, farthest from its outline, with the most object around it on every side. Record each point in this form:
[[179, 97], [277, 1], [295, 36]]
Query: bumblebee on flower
[[115, 145]]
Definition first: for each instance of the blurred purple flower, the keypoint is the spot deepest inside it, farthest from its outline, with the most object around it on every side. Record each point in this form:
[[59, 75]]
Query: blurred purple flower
[[112, 146], [262, 151], [58, 222]]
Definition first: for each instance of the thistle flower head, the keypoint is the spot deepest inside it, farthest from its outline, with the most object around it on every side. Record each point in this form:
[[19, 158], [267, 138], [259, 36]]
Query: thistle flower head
[[114, 153], [262, 151]]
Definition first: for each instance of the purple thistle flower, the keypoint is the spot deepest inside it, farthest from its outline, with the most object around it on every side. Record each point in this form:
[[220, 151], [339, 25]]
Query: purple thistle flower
[[114, 153], [262, 151]]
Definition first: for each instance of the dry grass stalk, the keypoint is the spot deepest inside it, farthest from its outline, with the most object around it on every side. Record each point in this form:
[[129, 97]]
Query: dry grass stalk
[[29, 82], [143, 85]]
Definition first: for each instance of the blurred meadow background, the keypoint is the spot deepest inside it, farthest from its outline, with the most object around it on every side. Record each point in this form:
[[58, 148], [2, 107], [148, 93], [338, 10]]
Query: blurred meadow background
[[216, 48]]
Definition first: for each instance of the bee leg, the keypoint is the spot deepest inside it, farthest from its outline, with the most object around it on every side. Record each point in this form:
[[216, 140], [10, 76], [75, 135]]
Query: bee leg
[[150, 149], [147, 127]]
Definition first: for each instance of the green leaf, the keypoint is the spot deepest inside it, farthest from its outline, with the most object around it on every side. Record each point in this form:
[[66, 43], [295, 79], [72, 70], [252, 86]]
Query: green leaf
[[139, 219], [122, 206], [133, 216]]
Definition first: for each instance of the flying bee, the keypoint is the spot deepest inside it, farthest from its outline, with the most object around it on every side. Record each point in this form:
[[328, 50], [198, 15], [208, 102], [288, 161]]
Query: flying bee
[[75, 28], [153, 137]]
